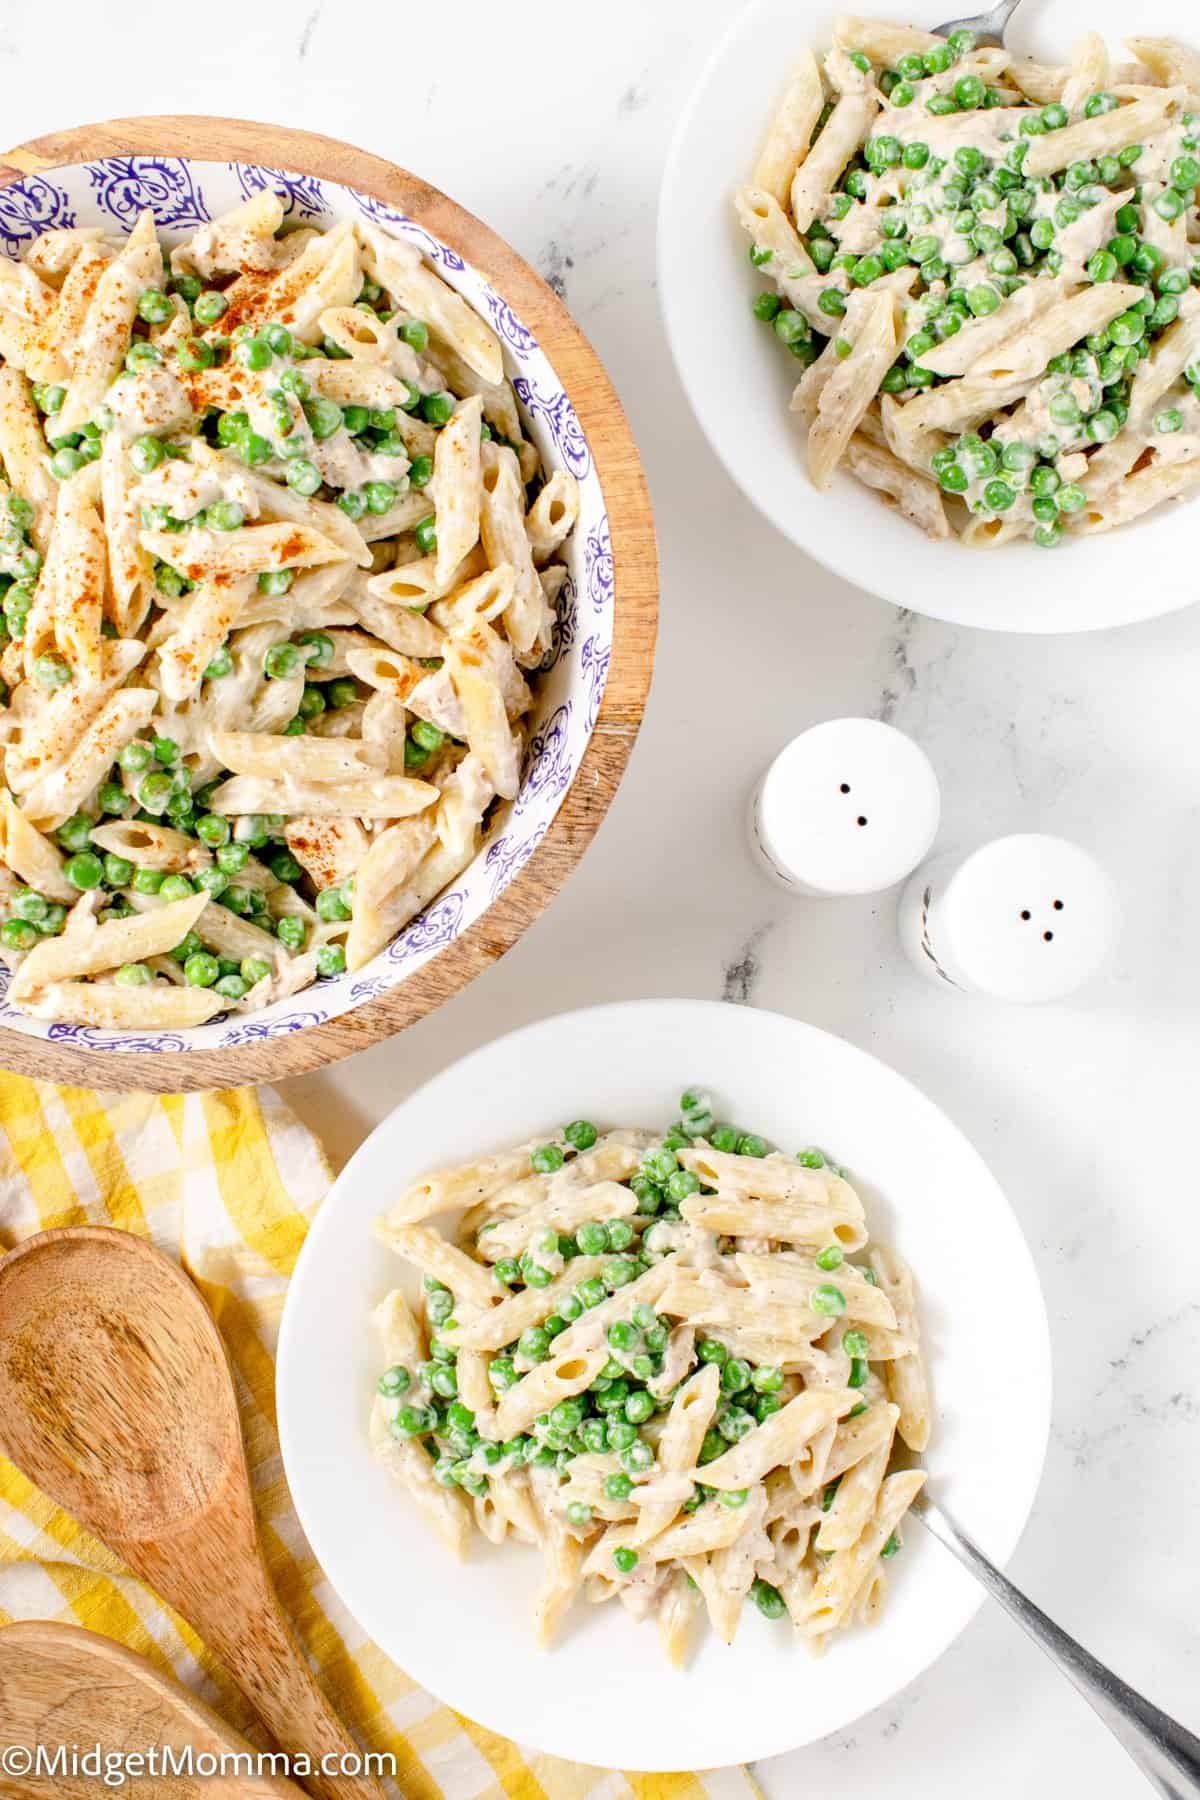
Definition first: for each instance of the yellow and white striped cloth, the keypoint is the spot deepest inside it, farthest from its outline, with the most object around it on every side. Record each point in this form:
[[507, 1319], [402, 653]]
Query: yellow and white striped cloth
[[227, 1183]]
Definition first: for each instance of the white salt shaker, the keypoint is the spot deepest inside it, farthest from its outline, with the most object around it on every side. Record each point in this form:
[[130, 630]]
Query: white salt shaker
[[1024, 918], [850, 806]]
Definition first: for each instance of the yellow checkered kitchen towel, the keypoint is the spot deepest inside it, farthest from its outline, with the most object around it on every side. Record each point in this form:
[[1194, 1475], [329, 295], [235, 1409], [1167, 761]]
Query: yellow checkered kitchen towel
[[227, 1183]]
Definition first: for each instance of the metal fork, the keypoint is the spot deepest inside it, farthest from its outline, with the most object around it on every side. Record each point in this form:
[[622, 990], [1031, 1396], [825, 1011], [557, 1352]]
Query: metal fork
[[1167, 1754], [987, 26]]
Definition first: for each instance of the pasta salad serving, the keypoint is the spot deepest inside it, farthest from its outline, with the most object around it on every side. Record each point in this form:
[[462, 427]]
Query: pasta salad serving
[[278, 565], [672, 1362], [988, 271]]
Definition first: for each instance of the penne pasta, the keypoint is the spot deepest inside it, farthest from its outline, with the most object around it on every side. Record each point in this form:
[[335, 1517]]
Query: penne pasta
[[975, 348], [677, 1414]]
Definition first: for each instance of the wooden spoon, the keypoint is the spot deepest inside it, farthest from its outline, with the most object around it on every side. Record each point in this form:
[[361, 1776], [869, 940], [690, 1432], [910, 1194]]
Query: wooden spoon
[[61, 1685], [116, 1399]]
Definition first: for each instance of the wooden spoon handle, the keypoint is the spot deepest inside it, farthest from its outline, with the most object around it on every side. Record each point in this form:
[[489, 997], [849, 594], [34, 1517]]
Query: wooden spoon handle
[[257, 1647]]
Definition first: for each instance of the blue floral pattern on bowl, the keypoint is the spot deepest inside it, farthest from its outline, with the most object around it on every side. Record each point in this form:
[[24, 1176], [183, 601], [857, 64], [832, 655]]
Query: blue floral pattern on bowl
[[30, 207], [184, 195], [125, 185], [304, 194]]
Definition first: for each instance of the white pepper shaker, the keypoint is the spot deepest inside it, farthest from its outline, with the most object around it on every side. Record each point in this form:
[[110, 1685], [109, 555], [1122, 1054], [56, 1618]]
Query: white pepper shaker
[[1025, 918], [850, 806]]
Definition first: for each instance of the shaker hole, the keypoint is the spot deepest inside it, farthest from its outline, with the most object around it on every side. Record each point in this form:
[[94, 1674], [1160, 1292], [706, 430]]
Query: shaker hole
[[1058, 906], [1048, 936], [845, 787], [860, 820], [1027, 915]]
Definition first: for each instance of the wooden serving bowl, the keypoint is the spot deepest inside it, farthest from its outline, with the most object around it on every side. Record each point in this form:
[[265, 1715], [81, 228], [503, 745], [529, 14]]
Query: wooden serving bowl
[[613, 456]]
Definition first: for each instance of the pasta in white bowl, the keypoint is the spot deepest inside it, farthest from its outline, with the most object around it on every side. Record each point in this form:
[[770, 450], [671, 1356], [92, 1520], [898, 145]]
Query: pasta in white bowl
[[651, 1356], [467, 1628], [964, 242], [977, 301]]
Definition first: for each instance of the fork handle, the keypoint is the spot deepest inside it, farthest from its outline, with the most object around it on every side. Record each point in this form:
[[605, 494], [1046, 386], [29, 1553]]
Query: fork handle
[[1166, 1753]]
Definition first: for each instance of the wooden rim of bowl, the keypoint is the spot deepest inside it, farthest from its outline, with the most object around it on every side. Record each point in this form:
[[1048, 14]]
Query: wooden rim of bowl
[[635, 564]]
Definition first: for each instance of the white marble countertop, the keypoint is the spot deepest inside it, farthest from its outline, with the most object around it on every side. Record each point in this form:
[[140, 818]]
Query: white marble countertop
[[551, 122]]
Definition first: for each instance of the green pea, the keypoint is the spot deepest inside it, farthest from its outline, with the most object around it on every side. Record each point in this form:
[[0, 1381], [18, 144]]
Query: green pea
[[1064, 409], [29, 905], [768, 1599], [546, 1158], [51, 671], [19, 934], [592, 1291], [437, 409], [734, 1423], [865, 270], [735, 1375], [711, 1350], [303, 476], [580, 1134], [998, 496], [75, 833], [142, 355], [133, 975], [650, 1196], [194, 354], [324, 417], [579, 1513], [831, 1257], [147, 881], [118, 871], [176, 887], [380, 496], [1168, 420], [201, 969], [84, 870], [639, 1407], [766, 1379], [618, 1487], [533, 1344], [145, 453], [854, 1343], [827, 1300], [592, 1238], [891, 1547], [291, 932]]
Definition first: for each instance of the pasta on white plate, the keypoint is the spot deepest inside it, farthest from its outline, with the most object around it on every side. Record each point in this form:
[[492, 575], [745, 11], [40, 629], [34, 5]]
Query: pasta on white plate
[[652, 1357], [277, 567], [988, 273]]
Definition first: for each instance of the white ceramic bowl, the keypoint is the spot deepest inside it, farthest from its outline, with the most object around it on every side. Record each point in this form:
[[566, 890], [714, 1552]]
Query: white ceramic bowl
[[183, 195], [739, 381], [605, 1694]]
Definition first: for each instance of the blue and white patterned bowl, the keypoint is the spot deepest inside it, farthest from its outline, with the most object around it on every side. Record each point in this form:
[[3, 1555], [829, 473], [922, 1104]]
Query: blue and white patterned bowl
[[185, 194]]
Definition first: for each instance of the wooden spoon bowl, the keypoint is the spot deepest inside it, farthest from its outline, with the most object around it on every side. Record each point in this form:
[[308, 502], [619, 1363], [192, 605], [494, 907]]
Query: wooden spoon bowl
[[62, 1685], [116, 1399]]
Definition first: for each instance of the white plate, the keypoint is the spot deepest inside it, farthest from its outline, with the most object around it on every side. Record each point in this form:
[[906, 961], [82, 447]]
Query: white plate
[[605, 1694], [739, 380]]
